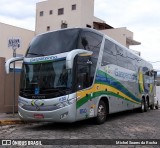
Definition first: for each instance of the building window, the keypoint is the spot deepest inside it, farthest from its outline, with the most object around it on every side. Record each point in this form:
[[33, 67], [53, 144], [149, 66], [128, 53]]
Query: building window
[[60, 11], [64, 25], [89, 26], [74, 7], [51, 12], [48, 28], [41, 13]]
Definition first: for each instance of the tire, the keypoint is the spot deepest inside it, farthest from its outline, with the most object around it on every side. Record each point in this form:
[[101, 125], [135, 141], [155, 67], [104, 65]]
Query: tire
[[156, 107], [152, 107], [101, 113], [146, 105], [142, 108]]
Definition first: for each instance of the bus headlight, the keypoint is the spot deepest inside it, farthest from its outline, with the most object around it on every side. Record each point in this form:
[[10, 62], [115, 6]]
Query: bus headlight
[[71, 101], [66, 103], [60, 105], [20, 104]]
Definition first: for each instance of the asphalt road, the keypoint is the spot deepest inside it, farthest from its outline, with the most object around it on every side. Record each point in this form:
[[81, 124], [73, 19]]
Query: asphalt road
[[129, 125]]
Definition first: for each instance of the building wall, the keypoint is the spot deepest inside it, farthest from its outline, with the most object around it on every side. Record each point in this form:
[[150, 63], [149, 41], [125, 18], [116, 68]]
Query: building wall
[[83, 16], [6, 89], [73, 18], [7, 32], [87, 12]]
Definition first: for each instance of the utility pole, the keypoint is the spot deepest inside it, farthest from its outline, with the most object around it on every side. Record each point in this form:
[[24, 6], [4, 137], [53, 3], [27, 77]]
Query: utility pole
[[14, 43], [14, 81]]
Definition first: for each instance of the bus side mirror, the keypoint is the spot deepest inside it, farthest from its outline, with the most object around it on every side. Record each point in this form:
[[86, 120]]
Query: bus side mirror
[[8, 62], [71, 55]]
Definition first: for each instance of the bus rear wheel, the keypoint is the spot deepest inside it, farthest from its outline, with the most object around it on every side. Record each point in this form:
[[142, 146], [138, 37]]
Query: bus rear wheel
[[142, 109], [152, 107], [156, 106], [146, 105], [101, 113]]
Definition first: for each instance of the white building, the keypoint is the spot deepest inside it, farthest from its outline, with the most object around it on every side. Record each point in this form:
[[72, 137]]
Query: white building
[[57, 14], [10, 33]]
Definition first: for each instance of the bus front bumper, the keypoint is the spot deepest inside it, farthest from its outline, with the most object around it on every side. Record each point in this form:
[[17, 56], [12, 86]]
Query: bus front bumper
[[65, 114]]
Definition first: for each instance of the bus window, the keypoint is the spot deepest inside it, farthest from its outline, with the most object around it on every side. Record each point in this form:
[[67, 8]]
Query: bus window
[[109, 53], [53, 43], [121, 57], [90, 41], [132, 62], [131, 66], [84, 74]]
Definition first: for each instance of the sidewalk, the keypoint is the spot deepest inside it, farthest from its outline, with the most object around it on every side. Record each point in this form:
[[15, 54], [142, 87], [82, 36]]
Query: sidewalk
[[6, 119]]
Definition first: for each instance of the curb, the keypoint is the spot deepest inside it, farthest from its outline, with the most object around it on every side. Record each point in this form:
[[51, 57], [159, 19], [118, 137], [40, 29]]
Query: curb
[[10, 122], [15, 121]]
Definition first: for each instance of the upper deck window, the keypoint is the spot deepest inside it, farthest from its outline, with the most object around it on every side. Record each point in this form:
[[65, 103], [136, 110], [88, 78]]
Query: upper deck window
[[64, 41]]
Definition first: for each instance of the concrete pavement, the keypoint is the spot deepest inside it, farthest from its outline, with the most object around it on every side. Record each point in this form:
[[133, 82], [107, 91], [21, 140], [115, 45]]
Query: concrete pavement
[[124, 126]]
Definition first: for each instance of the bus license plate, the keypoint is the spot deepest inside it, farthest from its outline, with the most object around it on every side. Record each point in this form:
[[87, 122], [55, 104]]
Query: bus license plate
[[38, 116]]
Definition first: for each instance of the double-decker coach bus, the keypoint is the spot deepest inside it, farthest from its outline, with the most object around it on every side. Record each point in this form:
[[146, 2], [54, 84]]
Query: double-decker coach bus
[[79, 73]]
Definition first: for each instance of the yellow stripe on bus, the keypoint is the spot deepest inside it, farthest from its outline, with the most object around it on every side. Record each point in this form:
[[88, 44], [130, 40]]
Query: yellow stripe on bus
[[101, 87]]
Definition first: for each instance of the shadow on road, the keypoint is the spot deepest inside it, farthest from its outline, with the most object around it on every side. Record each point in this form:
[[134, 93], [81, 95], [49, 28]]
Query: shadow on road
[[80, 124]]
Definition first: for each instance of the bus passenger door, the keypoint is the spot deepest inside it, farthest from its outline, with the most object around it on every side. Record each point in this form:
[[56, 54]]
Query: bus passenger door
[[84, 80]]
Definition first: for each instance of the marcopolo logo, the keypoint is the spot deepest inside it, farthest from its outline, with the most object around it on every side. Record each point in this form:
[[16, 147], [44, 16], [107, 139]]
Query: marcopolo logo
[[37, 104], [40, 59]]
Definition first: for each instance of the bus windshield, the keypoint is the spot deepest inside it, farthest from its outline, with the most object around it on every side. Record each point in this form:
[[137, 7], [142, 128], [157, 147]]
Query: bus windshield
[[64, 41], [53, 43], [52, 79]]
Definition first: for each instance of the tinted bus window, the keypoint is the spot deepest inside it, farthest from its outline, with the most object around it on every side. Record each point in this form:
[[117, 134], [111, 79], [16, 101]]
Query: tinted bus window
[[109, 53], [121, 57], [90, 41], [53, 43], [64, 41]]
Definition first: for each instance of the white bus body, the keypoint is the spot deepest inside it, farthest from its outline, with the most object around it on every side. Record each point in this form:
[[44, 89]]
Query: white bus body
[[79, 73]]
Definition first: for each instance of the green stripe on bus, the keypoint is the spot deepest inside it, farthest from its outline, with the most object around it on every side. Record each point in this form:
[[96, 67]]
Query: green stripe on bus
[[97, 94]]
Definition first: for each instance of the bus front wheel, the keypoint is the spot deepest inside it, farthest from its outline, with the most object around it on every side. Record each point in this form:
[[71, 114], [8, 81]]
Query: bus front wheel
[[101, 113]]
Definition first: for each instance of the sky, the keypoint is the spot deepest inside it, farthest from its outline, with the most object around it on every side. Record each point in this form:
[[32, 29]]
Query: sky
[[142, 17]]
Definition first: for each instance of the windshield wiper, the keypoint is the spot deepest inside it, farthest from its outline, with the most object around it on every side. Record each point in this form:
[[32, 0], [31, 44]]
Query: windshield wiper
[[58, 90], [62, 91], [26, 90], [35, 54]]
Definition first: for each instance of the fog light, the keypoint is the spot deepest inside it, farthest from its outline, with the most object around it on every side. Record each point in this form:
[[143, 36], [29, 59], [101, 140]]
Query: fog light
[[71, 101], [60, 105], [64, 115], [20, 104]]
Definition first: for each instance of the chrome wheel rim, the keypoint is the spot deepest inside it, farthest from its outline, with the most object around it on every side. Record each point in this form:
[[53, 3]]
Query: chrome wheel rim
[[142, 105], [101, 112]]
